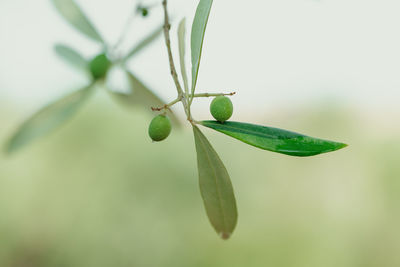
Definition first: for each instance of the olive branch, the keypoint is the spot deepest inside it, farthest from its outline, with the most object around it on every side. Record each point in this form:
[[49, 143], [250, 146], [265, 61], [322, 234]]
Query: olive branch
[[215, 185]]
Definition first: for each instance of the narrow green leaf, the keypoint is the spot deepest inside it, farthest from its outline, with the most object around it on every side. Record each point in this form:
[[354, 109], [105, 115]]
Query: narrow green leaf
[[142, 96], [215, 187], [74, 15], [274, 139], [47, 119], [144, 43], [71, 56], [182, 52], [197, 37]]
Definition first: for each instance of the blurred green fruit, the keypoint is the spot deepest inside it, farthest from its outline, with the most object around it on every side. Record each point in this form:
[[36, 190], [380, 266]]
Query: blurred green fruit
[[145, 12], [221, 108], [99, 66], [160, 128]]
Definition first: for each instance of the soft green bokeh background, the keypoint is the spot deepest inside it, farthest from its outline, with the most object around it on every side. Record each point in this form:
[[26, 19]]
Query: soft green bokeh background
[[99, 193]]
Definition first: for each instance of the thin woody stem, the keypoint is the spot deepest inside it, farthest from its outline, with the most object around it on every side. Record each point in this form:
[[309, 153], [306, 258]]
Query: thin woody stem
[[167, 106], [179, 99], [125, 29], [183, 97], [167, 27], [212, 94]]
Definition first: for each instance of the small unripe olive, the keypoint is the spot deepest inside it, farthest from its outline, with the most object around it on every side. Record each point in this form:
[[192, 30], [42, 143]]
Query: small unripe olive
[[221, 108], [159, 128], [99, 66], [145, 12]]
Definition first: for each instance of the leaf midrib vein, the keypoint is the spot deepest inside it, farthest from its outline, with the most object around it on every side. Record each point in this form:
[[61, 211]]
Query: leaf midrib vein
[[247, 131], [216, 184]]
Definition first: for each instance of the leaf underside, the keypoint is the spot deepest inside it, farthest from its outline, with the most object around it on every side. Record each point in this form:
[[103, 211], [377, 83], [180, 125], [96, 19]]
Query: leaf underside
[[142, 96], [72, 57], [74, 15], [47, 119], [197, 37], [182, 52], [215, 187], [274, 139]]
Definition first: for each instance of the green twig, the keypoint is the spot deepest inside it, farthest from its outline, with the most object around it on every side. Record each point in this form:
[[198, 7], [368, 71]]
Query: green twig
[[167, 27], [179, 99], [167, 106], [213, 94], [125, 29]]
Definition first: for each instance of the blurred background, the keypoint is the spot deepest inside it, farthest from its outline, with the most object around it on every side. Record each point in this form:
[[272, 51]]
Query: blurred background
[[97, 192]]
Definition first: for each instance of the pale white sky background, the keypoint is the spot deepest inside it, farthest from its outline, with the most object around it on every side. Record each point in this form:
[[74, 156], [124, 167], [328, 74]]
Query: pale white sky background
[[274, 53]]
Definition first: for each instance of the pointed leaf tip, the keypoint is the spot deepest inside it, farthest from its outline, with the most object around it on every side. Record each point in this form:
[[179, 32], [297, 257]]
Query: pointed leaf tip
[[197, 37], [74, 15], [225, 236], [71, 56], [47, 119], [215, 187], [274, 139]]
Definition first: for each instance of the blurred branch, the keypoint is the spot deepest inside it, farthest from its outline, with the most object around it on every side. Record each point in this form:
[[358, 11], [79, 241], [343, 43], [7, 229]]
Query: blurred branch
[[127, 25]]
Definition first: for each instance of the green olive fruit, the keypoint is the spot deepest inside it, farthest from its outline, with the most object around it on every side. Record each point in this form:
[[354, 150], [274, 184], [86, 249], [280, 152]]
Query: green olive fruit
[[145, 12], [99, 66], [221, 108], [159, 128]]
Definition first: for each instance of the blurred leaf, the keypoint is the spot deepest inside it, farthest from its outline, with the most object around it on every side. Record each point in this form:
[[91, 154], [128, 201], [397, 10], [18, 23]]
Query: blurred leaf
[[117, 80], [73, 14], [71, 56], [182, 43], [142, 96], [197, 38], [145, 42], [274, 139], [48, 119], [215, 186]]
